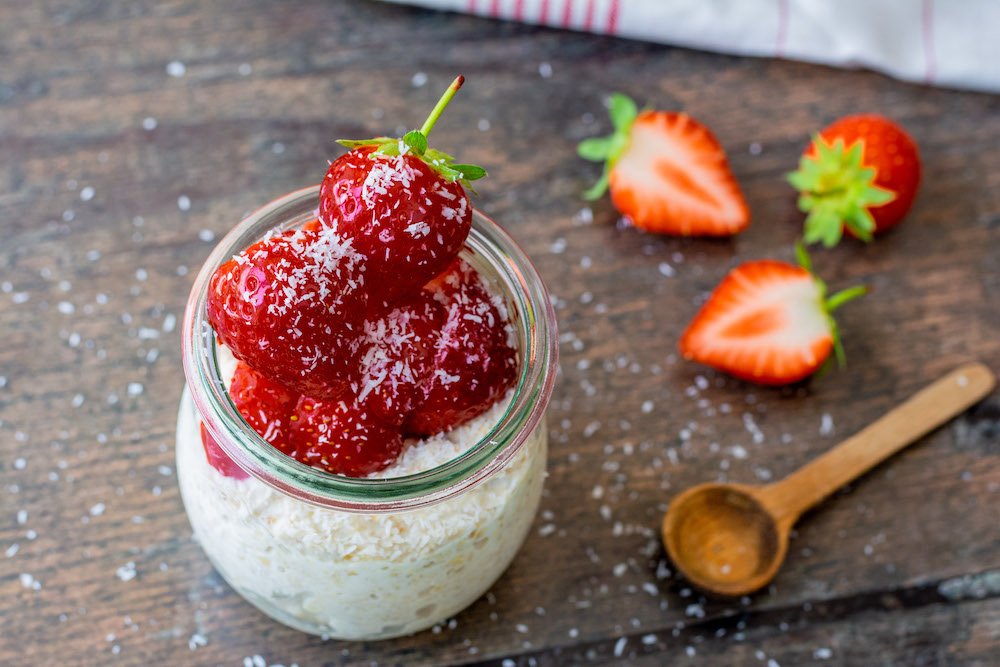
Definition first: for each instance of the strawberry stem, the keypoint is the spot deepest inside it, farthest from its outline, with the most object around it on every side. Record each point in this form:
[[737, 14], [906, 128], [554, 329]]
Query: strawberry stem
[[441, 104]]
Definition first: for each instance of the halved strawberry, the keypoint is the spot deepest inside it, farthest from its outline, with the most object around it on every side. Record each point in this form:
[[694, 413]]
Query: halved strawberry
[[342, 437], [474, 361], [767, 322], [397, 350], [667, 173], [860, 174], [217, 457], [401, 205], [291, 307]]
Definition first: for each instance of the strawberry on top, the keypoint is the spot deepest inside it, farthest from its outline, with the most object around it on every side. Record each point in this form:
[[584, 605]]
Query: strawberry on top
[[667, 173], [342, 437], [401, 204]]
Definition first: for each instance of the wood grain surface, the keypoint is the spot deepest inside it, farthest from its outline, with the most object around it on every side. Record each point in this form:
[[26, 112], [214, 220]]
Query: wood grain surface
[[117, 177]]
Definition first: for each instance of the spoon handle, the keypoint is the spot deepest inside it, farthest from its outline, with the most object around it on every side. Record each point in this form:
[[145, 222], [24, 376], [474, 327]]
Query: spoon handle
[[929, 408]]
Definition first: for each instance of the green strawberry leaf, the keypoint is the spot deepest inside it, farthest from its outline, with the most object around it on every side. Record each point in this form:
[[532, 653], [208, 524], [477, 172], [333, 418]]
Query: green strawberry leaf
[[845, 295], [802, 257], [358, 143], [469, 172], [595, 149], [416, 141], [596, 191], [837, 191], [623, 113], [829, 304]]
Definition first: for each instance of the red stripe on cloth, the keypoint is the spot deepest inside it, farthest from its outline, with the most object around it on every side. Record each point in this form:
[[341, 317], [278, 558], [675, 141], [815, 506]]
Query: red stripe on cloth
[[543, 15], [782, 36], [613, 17], [588, 17], [495, 9], [519, 10], [472, 7], [930, 58], [567, 12]]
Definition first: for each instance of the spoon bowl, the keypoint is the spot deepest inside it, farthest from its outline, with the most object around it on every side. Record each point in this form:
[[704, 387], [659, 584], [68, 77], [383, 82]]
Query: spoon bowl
[[727, 540], [730, 539]]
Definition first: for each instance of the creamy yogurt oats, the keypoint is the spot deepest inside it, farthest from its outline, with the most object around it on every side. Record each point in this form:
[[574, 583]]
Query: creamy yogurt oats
[[363, 576]]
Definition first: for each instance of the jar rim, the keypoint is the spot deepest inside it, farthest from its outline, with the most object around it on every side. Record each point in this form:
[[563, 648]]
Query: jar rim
[[516, 277]]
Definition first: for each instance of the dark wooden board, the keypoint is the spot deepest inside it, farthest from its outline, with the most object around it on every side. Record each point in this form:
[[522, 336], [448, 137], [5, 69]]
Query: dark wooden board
[[267, 88]]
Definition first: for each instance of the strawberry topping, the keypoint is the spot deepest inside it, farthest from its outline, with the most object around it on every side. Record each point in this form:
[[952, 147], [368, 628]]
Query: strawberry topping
[[291, 307], [399, 213], [342, 352], [218, 459], [265, 405], [397, 352], [343, 438], [474, 362]]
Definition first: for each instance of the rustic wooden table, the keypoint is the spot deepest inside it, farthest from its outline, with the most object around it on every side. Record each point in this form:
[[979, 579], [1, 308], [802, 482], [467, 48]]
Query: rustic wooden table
[[135, 134]]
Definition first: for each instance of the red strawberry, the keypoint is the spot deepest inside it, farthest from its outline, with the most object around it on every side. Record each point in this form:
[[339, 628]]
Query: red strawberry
[[861, 173], [401, 205], [343, 438], [474, 362], [291, 307], [397, 352], [265, 405], [218, 459], [667, 173], [767, 322]]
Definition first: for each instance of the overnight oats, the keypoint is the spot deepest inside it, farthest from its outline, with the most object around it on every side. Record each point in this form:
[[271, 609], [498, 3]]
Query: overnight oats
[[361, 444]]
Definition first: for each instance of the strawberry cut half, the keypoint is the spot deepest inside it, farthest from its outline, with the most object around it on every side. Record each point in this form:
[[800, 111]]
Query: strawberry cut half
[[667, 173], [767, 322]]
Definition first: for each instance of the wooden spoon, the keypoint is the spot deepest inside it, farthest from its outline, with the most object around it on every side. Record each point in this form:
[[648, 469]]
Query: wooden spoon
[[730, 539]]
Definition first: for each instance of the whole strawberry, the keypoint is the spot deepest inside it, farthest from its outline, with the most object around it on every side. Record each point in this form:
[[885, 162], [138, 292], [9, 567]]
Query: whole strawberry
[[397, 350], [343, 437], [266, 406], [860, 174], [401, 205], [474, 360], [768, 322], [667, 173], [291, 308]]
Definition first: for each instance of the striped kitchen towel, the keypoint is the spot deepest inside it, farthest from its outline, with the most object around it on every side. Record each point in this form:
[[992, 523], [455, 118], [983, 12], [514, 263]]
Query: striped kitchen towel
[[953, 43]]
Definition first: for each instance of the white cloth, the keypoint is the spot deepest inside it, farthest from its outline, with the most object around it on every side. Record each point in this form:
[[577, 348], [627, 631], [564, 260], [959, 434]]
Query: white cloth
[[954, 43]]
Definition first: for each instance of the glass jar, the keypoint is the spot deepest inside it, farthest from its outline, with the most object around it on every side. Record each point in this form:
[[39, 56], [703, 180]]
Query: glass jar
[[367, 558]]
